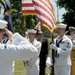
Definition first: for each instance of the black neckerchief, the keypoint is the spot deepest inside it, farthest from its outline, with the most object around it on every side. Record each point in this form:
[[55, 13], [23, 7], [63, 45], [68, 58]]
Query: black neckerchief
[[57, 44]]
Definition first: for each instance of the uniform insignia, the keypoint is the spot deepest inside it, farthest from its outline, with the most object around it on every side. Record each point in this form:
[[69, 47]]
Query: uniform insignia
[[68, 45]]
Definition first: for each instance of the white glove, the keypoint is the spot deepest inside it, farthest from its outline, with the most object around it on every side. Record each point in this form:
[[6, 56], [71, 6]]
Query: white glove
[[52, 46]]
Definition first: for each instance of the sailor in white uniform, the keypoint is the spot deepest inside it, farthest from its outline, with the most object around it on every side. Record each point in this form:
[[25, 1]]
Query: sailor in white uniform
[[72, 35], [20, 49], [32, 67], [62, 46]]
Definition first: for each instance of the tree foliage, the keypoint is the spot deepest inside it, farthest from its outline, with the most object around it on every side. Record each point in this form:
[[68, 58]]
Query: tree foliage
[[17, 16], [69, 16]]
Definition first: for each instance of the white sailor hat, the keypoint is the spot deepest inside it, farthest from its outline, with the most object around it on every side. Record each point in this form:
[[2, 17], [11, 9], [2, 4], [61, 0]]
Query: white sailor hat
[[31, 31], [71, 28], [40, 32], [61, 25], [3, 24]]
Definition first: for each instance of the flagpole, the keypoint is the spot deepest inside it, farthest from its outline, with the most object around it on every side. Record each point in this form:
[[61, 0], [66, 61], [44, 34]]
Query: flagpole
[[24, 21], [53, 58]]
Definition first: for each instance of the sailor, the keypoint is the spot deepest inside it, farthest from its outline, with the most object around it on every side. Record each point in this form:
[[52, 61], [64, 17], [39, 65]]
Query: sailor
[[72, 35], [20, 49], [32, 67], [62, 46]]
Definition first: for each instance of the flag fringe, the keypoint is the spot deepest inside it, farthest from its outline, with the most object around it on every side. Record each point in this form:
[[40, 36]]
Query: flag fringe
[[51, 30], [24, 14]]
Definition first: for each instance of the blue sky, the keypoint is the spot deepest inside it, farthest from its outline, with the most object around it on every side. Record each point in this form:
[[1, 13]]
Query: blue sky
[[61, 11]]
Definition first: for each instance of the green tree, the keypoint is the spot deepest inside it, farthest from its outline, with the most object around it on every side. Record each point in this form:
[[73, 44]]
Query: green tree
[[17, 16], [69, 16]]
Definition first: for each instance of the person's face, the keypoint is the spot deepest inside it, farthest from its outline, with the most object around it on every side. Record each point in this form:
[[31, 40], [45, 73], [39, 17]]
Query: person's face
[[31, 35], [71, 32], [61, 31], [40, 35]]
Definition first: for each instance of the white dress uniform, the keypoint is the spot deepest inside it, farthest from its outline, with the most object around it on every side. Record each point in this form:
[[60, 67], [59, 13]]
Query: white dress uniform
[[62, 65], [33, 63], [73, 43], [21, 49], [62, 46]]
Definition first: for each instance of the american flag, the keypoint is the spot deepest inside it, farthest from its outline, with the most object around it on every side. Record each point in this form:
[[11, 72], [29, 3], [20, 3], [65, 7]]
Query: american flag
[[45, 13], [38, 26], [28, 8]]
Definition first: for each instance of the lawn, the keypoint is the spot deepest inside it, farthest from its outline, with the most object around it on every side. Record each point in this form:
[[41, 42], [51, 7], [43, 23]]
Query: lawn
[[20, 69]]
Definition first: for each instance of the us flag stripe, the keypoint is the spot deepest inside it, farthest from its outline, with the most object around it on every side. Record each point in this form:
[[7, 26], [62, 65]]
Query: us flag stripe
[[45, 13], [28, 8], [44, 5], [49, 2]]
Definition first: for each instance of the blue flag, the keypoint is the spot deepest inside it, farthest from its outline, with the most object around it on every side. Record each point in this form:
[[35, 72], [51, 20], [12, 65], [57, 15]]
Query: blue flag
[[8, 18], [7, 14]]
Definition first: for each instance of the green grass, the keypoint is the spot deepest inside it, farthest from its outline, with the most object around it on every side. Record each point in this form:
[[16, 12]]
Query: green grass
[[49, 40], [20, 69]]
